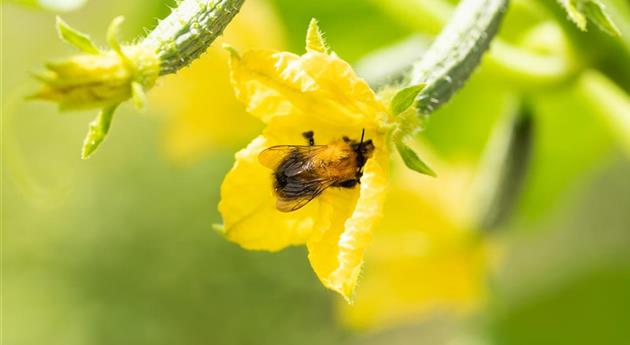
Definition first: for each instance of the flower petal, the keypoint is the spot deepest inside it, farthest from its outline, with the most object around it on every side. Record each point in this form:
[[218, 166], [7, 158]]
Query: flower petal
[[248, 203], [424, 263], [270, 83], [340, 85], [293, 94], [248, 206], [336, 255], [202, 111], [313, 86]]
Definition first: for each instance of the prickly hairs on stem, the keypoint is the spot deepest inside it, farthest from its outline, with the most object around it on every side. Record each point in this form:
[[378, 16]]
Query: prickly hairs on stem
[[103, 79]]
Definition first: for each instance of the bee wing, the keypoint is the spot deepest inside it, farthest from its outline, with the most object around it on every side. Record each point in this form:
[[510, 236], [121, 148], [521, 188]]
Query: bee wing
[[298, 193], [296, 164], [273, 156]]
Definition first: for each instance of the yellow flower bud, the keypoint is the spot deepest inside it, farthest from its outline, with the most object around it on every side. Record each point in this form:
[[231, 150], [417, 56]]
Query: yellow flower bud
[[98, 80]]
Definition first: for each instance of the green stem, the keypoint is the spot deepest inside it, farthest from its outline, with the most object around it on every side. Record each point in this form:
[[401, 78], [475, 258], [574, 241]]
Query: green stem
[[522, 67], [105, 78], [189, 30], [456, 52]]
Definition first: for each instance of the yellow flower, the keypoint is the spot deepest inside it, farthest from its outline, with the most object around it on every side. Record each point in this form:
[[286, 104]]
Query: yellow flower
[[426, 257], [293, 94], [202, 111]]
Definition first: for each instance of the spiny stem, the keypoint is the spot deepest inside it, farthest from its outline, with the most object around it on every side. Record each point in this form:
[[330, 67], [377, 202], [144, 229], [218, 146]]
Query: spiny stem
[[456, 52], [104, 79], [189, 30], [443, 69], [524, 68]]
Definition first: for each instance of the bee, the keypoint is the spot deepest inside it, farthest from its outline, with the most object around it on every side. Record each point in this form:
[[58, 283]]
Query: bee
[[303, 172]]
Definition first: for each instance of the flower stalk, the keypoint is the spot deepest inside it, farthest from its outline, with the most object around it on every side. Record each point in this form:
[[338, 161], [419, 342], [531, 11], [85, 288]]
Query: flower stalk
[[105, 78]]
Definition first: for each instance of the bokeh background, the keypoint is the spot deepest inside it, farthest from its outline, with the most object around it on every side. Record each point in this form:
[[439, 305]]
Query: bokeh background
[[120, 249]]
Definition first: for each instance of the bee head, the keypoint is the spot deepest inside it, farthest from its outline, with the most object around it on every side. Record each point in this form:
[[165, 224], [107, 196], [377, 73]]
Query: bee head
[[365, 148]]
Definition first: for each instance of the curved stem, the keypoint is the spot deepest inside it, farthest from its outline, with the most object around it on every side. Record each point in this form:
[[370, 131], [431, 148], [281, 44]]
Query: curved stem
[[189, 30], [520, 65], [104, 79], [456, 52]]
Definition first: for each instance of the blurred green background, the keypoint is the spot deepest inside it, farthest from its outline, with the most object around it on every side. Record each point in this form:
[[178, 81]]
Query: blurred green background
[[119, 249]]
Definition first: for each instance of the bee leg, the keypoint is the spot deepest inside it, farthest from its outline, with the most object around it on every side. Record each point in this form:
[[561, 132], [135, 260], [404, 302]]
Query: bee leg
[[345, 139], [309, 135]]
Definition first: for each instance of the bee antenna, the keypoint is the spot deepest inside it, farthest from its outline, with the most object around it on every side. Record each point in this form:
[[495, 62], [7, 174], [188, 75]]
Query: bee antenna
[[362, 134]]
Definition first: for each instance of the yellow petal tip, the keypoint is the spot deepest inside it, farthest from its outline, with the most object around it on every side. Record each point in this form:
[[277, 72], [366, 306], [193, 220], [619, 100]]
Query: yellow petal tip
[[315, 41], [345, 290]]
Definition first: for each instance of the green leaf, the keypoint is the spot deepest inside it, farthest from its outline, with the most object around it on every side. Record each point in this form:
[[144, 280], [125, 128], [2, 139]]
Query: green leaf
[[579, 11], [404, 98], [594, 11], [97, 131], [76, 38], [411, 159], [138, 96], [574, 14], [113, 32]]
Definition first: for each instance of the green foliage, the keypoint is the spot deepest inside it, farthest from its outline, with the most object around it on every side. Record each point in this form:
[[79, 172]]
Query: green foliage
[[581, 11], [113, 34], [78, 39], [81, 82], [97, 131], [404, 98], [411, 159], [119, 249]]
